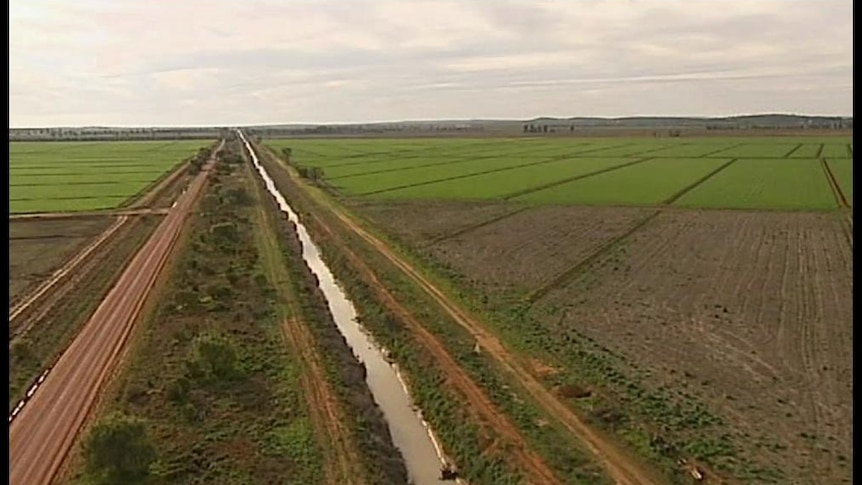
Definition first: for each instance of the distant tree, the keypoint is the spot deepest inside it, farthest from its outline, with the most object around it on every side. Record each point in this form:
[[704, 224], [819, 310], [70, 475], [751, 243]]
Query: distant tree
[[544, 128], [118, 450], [525, 128]]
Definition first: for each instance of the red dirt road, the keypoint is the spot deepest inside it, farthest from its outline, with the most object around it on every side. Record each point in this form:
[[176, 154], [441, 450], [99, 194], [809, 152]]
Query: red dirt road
[[42, 434]]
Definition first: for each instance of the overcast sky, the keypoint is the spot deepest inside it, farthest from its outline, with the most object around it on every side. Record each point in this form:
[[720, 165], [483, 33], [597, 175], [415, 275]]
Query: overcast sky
[[153, 62]]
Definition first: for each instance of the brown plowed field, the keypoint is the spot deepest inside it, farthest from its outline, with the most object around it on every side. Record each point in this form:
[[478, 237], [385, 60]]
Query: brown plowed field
[[748, 312], [530, 248], [751, 313], [38, 247], [423, 222]]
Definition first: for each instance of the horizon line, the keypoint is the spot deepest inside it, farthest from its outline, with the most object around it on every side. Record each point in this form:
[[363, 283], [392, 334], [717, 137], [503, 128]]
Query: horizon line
[[434, 120]]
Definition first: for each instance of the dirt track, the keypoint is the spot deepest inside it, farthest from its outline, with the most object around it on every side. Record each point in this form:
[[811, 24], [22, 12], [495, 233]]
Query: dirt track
[[41, 435], [621, 466]]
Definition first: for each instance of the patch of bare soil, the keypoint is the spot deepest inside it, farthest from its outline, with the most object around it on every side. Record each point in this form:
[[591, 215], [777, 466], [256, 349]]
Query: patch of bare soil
[[531, 248], [417, 222], [38, 247], [752, 313]]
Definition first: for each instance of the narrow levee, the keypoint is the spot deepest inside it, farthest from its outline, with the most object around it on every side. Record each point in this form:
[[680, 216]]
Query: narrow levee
[[410, 433]]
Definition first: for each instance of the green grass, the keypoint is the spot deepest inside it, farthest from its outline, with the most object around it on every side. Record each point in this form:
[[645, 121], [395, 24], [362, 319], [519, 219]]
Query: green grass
[[80, 176], [764, 184], [491, 168], [842, 169], [651, 182]]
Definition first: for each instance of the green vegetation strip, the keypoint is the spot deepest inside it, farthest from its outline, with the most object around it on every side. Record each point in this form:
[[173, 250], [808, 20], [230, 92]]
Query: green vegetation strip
[[376, 458], [210, 377]]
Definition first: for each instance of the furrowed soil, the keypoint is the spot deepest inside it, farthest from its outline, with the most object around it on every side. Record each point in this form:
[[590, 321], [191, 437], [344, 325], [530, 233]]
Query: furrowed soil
[[429, 221], [535, 245], [720, 337], [750, 313], [39, 247]]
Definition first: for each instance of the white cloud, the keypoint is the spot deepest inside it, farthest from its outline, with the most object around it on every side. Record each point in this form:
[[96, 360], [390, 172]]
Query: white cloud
[[139, 62]]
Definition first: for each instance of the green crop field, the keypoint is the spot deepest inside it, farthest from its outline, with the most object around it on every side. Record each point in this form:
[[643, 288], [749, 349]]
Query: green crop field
[[835, 150], [778, 172], [807, 150], [757, 150], [82, 176], [507, 182], [765, 184], [650, 182], [842, 169]]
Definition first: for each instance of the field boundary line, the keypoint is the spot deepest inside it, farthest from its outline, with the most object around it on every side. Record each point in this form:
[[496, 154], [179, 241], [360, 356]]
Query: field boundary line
[[708, 154], [792, 150], [555, 158], [847, 227], [411, 154], [820, 151], [652, 150], [840, 199], [673, 198], [473, 227], [574, 178], [568, 275]]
